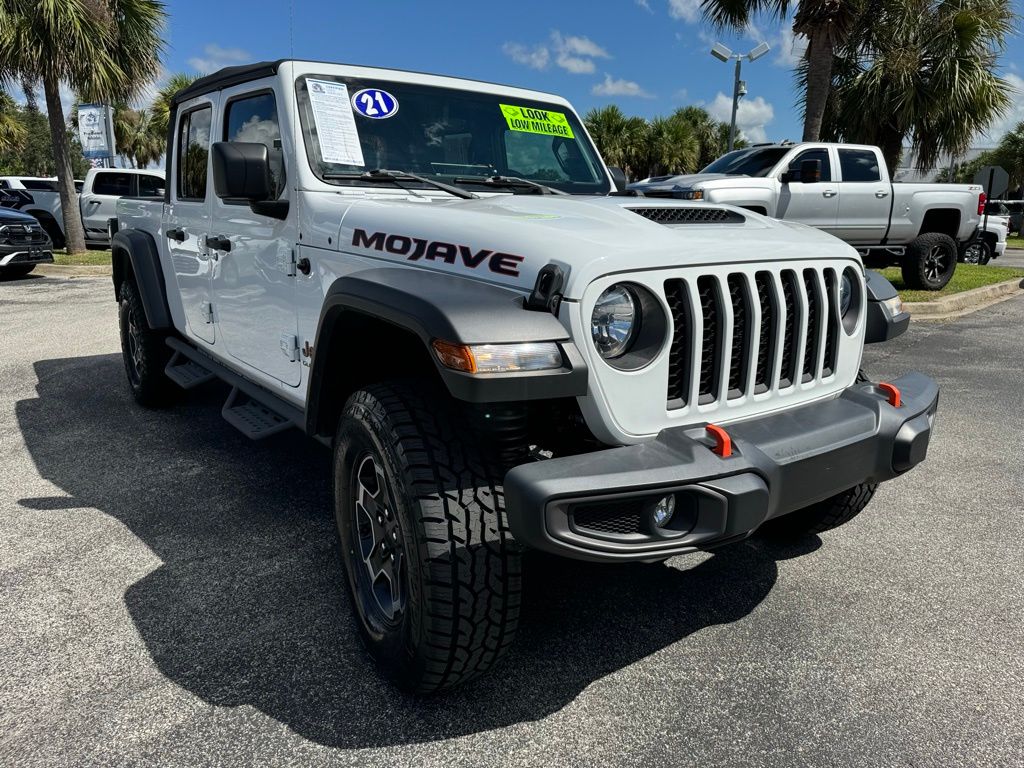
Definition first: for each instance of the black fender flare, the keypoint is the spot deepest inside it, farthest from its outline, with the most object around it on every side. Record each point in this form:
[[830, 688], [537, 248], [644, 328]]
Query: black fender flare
[[134, 252], [433, 306], [881, 325]]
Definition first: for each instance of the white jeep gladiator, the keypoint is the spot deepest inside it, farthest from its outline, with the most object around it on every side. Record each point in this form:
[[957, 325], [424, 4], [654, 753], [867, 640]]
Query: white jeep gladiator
[[845, 190], [440, 280]]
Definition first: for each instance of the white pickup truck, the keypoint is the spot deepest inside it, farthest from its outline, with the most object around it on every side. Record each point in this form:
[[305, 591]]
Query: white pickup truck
[[845, 190], [97, 199], [439, 280]]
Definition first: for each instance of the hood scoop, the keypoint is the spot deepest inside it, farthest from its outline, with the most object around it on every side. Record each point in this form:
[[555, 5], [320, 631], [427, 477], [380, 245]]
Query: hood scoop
[[695, 215]]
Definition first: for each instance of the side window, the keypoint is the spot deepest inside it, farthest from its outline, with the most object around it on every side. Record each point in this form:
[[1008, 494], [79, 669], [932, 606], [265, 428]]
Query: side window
[[859, 165], [151, 186], [193, 153], [117, 184], [811, 154], [254, 119]]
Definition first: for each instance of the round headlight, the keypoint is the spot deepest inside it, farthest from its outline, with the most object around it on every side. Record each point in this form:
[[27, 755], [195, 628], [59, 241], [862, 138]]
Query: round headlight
[[614, 321], [845, 295]]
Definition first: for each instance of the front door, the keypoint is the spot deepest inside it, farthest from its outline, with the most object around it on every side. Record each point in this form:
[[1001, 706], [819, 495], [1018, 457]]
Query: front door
[[815, 203], [187, 223], [99, 204], [253, 276]]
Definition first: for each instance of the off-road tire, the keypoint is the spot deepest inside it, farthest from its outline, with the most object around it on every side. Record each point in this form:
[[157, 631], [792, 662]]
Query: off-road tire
[[830, 513], [929, 262], [144, 351], [16, 271], [459, 580], [982, 256]]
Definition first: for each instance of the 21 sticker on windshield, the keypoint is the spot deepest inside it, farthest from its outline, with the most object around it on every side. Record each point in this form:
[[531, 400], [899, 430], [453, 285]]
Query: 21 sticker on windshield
[[375, 103], [532, 120]]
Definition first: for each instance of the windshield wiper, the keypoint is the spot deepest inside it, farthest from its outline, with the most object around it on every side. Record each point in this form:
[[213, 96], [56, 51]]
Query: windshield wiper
[[509, 182], [378, 175]]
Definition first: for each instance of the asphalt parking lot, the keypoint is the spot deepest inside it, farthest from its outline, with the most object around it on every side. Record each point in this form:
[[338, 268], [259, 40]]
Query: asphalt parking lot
[[172, 595]]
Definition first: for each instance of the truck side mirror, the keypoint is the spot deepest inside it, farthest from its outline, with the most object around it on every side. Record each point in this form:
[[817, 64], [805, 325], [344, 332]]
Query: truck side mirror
[[810, 171], [618, 178], [241, 170]]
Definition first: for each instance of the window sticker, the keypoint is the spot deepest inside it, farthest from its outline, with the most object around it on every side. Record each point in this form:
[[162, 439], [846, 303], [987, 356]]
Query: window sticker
[[375, 103], [335, 124], [530, 120]]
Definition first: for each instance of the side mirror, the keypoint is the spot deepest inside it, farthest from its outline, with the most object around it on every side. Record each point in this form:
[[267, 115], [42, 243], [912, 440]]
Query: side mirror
[[241, 170], [618, 178], [810, 171]]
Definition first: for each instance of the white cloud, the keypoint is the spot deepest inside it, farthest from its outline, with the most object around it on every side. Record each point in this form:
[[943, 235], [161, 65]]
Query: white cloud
[[535, 58], [613, 86], [790, 48], [1014, 115], [572, 53], [687, 10], [751, 117], [645, 5], [216, 57]]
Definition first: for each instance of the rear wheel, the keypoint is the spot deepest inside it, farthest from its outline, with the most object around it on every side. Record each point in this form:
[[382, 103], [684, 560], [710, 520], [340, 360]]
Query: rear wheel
[[432, 568], [145, 352], [929, 262], [978, 252]]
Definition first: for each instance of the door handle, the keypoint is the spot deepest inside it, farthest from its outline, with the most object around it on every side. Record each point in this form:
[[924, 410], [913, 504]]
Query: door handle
[[828, 193], [219, 243], [881, 193], [177, 235]]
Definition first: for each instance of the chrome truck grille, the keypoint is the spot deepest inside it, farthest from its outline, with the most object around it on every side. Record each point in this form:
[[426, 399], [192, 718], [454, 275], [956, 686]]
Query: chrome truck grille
[[749, 333]]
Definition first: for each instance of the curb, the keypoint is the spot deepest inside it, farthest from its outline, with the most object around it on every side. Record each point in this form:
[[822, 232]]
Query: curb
[[73, 270], [960, 304]]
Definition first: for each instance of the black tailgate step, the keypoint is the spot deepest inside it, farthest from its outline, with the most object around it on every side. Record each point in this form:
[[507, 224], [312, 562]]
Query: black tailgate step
[[253, 419], [187, 373]]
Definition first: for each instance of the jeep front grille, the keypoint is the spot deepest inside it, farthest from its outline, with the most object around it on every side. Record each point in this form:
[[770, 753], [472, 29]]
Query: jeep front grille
[[750, 333]]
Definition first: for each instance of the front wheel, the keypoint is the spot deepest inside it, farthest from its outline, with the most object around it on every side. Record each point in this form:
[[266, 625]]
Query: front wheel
[[432, 568], [145, 352], [978, 252], [828, 514], [929, 262]]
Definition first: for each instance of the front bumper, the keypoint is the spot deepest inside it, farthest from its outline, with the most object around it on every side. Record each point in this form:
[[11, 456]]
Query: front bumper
[[14, 255], [596, 506]]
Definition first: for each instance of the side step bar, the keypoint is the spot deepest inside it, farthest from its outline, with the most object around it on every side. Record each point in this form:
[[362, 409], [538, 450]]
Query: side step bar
[[252, 410]]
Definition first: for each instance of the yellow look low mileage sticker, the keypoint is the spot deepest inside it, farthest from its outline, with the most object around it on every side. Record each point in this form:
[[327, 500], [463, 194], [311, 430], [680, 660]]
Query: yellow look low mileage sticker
[[531, 120]]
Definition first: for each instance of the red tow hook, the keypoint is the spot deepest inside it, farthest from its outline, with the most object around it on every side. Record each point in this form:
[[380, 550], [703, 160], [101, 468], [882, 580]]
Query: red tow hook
[[723, 443], [892, 392]]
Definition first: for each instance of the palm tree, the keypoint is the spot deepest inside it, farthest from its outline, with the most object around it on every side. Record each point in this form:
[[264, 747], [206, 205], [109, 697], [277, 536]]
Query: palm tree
[[104, 49], [672, 146], [921, 70], [1010, 155], [12, 129], [825, 24], [161, 107]]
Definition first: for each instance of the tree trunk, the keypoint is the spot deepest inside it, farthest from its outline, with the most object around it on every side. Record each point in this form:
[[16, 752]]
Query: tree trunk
[[891, 145], [820, 54], [74, 234]]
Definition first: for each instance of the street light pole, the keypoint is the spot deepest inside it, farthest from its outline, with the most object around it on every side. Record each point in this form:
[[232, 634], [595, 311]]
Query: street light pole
[[739, 90]]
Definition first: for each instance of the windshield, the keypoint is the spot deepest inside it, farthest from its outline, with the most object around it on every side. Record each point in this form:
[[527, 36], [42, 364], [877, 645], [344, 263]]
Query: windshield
[[748, 162], [352, 125]]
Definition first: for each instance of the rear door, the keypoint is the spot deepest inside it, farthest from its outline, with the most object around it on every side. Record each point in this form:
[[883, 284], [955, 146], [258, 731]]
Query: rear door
[[813, 203], [865, 197], [99, 204], [254, 277], [187, 222]]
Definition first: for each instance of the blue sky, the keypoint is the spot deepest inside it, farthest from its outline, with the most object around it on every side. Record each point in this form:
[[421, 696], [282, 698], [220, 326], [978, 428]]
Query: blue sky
[[647, 56]]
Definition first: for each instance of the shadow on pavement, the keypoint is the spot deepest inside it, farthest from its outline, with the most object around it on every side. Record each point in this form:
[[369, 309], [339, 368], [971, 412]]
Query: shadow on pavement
[[249, 605]]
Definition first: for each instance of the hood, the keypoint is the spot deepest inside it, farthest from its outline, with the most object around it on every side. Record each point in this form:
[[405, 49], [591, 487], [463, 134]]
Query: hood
[[681, 181], [11, 216], [507, 239]]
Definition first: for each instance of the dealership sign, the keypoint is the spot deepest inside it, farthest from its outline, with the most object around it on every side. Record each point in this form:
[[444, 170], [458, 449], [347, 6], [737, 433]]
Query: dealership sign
[[96, 130]]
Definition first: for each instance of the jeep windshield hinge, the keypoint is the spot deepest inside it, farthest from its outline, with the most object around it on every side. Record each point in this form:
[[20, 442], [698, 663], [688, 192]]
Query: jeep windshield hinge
[[547, 291]]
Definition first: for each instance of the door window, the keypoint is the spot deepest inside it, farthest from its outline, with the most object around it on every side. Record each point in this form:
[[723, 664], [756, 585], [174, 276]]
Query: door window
[[151, 186], [111, 183], [254, 119], [859, 165], [193, 153], [811, 154]]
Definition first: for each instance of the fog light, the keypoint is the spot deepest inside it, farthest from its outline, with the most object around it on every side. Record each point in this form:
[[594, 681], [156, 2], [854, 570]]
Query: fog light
[[663, 510]]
